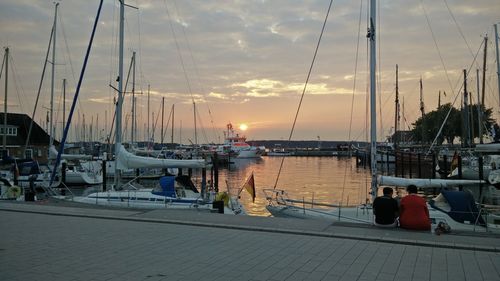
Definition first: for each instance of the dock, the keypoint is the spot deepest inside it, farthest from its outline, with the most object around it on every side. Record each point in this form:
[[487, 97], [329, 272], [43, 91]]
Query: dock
[[57, 240]]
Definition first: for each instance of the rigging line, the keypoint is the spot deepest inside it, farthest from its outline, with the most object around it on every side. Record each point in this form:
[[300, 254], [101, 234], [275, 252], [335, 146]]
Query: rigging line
[[168, 122], [353, 94], [66, 45], [141, 71], [178, 50], [458, 27], [1, 69], [69, 54], [436, 44], [17, 85], [156, 122], [39, 89], [195, 66], [304, 90], [202, 127]]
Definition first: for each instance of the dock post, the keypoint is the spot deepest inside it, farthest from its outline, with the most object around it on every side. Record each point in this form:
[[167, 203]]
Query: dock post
[[104, 177], [445, 164], [396, 154], [419, 164], [387, 163], [481, 176], [460, 171], [216, 173], [433, 176], [402, 164], [204, 183]]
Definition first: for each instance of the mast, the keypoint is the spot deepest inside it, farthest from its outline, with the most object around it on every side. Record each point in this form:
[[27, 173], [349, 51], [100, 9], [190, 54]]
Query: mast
[[195, 129], [4, 138], [396, 110], [51, 120], [133, 100], [173, 122], [466, 111], [498, 57], [484, 87], [422, 111], [439, 99], [373, 100], [118, 129], [479, 111], [148, 135], [64, 105], [162, 116]]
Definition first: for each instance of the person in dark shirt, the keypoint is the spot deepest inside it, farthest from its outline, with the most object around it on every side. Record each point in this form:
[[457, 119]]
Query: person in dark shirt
[[385, 209]]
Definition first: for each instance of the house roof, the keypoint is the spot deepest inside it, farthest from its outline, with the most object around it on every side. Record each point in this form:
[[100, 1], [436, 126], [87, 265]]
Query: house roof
[[22, 121]]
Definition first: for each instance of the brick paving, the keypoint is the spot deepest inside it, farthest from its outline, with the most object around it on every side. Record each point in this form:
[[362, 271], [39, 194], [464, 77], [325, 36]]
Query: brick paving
[[48, 241]]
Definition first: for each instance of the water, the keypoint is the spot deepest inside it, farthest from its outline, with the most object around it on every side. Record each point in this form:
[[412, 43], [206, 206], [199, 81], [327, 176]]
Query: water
[[322, 179]]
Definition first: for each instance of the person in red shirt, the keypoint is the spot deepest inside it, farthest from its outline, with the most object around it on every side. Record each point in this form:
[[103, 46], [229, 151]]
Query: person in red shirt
[[413, 211]]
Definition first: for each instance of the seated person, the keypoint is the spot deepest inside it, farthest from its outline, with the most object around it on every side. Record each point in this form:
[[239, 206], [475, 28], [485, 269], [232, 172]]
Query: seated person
[[385, 209], [414, 213]]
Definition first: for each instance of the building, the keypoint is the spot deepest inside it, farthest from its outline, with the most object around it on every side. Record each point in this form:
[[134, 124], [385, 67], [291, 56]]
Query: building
[[16, 133]]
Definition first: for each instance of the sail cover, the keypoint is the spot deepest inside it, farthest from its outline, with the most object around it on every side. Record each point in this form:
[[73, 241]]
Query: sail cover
[[127, 160], [423, 183]]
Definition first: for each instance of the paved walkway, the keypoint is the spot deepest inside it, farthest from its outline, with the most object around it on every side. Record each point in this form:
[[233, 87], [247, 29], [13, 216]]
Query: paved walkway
[[61, 241]]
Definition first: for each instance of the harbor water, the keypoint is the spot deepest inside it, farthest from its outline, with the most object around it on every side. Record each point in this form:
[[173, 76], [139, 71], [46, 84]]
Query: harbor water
[[320, 179]]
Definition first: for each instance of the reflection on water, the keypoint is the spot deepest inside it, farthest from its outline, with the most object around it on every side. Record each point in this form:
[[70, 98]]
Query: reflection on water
[[322, 179]]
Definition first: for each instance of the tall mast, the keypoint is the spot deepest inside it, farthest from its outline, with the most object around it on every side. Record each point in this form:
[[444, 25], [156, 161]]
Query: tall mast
[[133, 100], [6, 59], [51, 120], [373, 100], [396, 111], [498, 57], [483, 87], [118, 129]]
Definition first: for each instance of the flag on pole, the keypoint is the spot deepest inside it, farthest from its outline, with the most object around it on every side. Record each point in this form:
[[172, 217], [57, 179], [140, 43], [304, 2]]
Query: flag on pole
[[250, 186]]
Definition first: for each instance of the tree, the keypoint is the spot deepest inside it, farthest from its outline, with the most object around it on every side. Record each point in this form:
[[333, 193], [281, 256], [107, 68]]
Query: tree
[[427, 127]]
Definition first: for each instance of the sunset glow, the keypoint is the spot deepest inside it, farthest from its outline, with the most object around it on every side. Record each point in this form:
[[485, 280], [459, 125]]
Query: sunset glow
[[243, 127]]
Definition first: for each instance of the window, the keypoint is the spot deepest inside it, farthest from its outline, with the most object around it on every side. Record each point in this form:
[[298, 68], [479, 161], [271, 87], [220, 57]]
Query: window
[[9, 131], [28, 154]]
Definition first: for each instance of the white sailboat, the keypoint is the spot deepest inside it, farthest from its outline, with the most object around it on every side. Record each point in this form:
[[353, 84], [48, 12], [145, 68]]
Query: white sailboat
[[173, 191], [455, 208]]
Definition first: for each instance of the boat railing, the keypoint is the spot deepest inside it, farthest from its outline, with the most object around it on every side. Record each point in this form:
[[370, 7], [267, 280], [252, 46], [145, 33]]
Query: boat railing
[[280, 197]]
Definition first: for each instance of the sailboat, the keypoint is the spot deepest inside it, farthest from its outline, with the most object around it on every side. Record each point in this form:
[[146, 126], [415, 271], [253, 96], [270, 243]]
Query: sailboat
[[455, 208], [280, 205], [173, 191]]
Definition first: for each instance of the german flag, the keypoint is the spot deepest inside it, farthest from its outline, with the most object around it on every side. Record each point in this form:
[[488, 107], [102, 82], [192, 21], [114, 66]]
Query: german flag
[[250, 186]]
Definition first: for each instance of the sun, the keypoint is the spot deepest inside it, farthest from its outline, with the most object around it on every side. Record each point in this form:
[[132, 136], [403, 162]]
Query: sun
[[243, 127]]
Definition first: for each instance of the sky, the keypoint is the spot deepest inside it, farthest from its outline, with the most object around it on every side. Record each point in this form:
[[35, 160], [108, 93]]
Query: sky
[[246, 62]]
